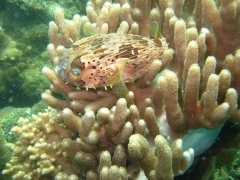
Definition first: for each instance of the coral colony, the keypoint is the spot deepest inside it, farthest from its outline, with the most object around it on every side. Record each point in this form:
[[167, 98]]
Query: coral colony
[[147, 86]]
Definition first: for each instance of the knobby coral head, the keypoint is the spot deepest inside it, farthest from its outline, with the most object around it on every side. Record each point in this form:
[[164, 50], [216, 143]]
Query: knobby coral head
[[146, 85]]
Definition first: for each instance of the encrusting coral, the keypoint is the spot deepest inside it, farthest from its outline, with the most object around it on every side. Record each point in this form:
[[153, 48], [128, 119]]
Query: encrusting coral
[[191, 88]]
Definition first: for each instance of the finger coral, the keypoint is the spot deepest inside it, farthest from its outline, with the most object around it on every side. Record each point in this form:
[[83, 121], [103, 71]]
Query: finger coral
[[150, 126]]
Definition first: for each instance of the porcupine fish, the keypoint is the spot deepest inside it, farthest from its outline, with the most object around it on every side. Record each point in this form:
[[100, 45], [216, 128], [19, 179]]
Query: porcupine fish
[[108, 60]]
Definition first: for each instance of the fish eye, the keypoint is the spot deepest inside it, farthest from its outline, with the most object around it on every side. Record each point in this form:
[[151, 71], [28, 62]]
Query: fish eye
[[75, 74], [76, 71]]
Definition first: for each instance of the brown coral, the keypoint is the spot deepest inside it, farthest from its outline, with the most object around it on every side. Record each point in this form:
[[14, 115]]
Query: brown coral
[[39, 142], [197, 87]]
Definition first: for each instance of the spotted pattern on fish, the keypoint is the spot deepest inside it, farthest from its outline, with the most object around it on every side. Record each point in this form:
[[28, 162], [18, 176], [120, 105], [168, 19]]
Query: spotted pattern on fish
[[105, 60]]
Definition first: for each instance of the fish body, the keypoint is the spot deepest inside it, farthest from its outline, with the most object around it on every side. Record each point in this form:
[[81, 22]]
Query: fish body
[[105, 60]]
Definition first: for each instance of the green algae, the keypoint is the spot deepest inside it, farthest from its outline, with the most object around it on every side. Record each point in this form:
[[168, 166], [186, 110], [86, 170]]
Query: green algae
[[5, 154], [226, 164], [23, 41]]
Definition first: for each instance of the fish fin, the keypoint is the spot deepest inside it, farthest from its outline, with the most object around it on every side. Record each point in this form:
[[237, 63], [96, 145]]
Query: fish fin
[[117, 69], [89, 30], [154, 28], [120, 88]]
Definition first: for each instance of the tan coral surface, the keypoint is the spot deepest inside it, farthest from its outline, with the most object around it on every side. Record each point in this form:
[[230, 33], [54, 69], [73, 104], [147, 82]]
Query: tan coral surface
[[193, 86]]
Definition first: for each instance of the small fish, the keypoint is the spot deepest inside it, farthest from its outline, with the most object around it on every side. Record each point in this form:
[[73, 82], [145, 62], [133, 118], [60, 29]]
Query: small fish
[[108, 60]]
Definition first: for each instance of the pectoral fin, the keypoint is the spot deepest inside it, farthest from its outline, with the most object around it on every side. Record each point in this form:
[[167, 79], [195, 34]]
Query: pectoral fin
[[120, 88]]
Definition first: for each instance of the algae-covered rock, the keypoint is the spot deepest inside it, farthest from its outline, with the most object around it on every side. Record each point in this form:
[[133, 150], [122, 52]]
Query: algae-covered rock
[[47, 8], [225, 165], [8, 47], [23, 39]]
